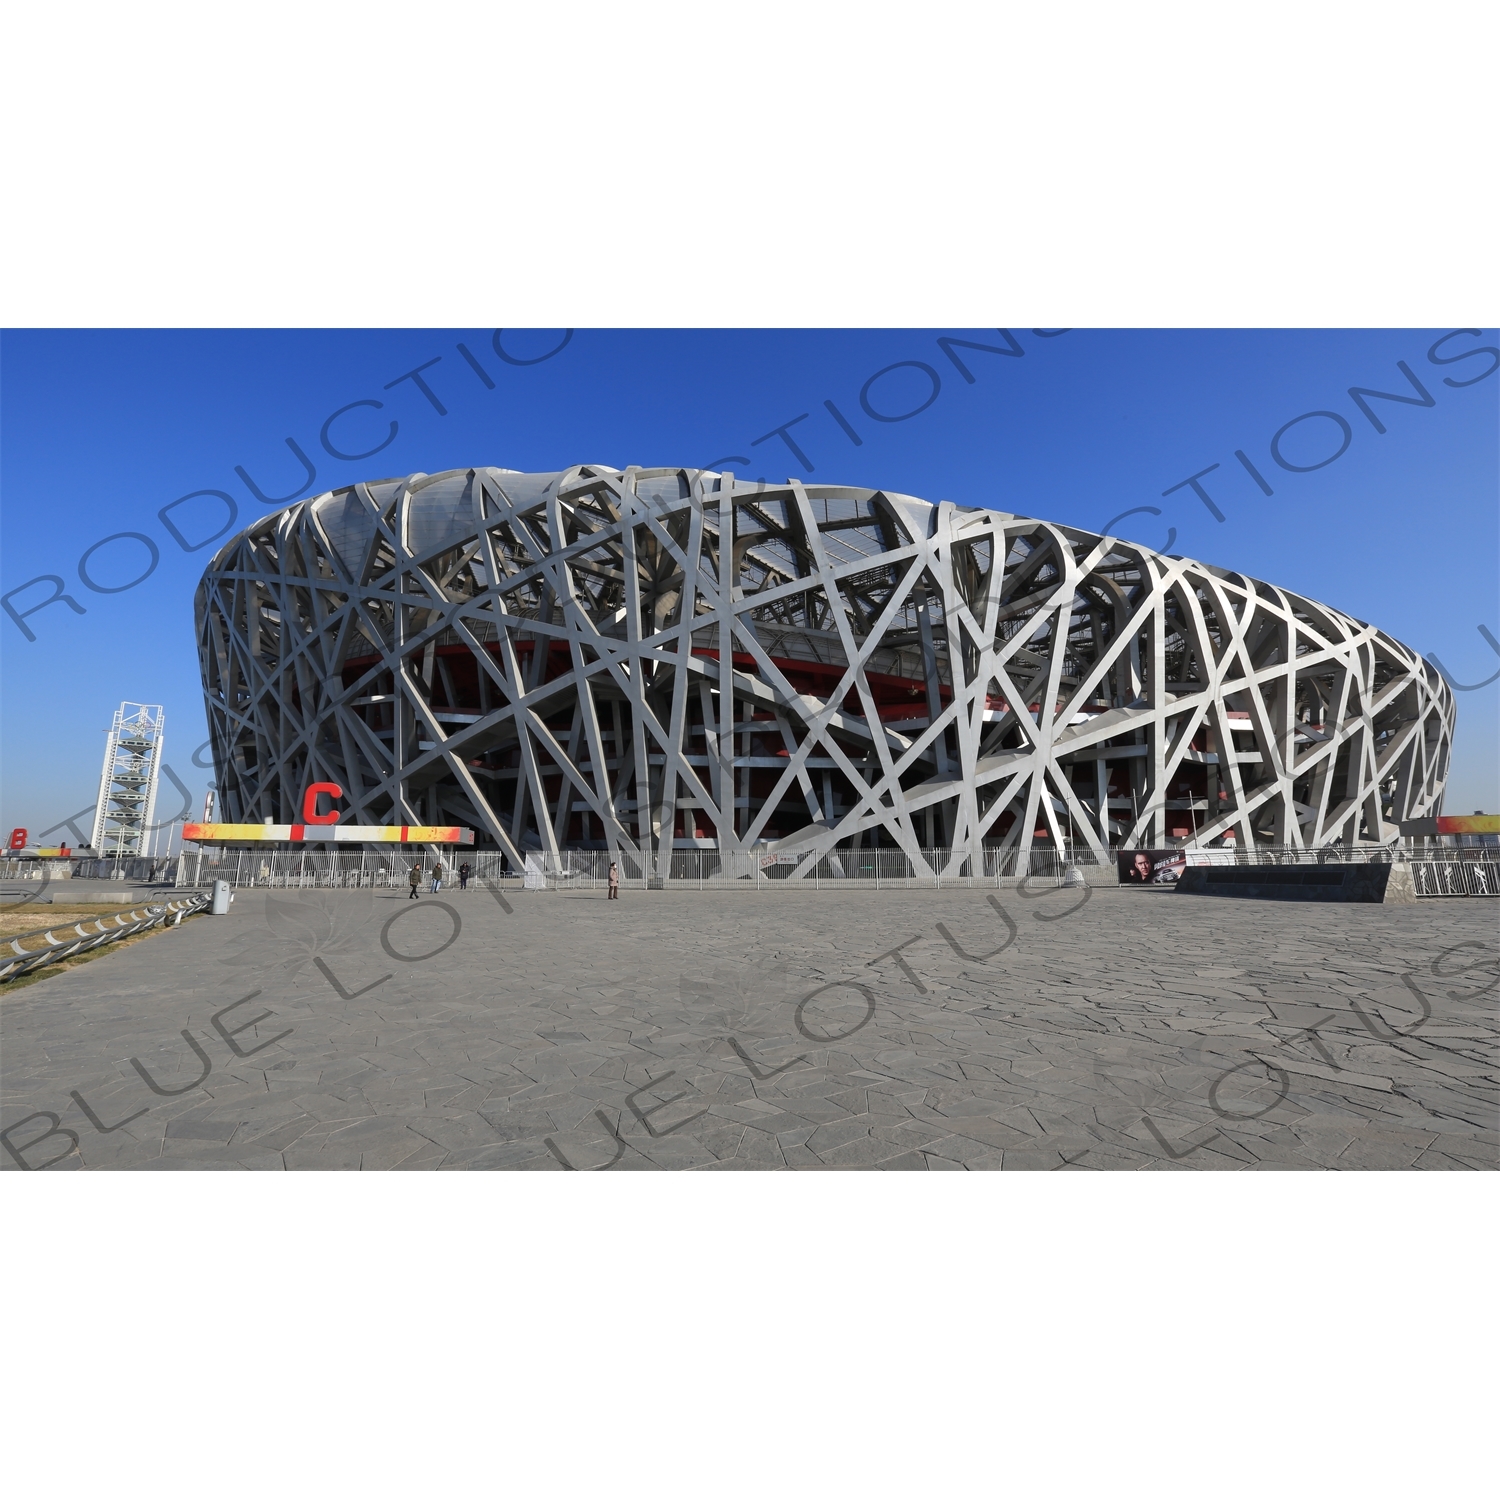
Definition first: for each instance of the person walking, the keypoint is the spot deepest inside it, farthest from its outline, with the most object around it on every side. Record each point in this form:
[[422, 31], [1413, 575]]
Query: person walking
[[437, 876], [463, 876], [614, 881], [414, 879]]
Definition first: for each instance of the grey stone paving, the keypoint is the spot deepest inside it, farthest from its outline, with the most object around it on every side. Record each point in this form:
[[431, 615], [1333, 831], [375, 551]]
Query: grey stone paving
[[709, 1031]]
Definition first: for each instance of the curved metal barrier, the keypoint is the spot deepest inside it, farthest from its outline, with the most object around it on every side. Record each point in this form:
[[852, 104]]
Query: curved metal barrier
[[35, 950]]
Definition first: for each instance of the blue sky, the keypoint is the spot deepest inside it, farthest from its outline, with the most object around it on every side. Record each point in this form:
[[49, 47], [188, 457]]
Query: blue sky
[[101, 430]]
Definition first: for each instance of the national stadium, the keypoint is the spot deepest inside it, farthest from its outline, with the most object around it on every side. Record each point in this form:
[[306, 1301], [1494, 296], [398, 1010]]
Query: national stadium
[[645, 661]]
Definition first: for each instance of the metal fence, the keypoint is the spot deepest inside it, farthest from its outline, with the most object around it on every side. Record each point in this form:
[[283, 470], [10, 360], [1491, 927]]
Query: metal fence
[[871, 868], [139, 871], [704, 869], [47, 945], [132, 871], [1335, 854], [1456, 877], [337, 869], [588, 868], [1449, 872]]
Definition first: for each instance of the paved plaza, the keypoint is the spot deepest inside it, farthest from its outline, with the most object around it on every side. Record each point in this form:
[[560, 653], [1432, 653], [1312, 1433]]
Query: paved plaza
[[945, 1030]]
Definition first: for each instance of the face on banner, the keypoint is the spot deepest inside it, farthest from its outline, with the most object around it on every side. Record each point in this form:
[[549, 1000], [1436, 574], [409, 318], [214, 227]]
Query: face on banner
[[1151, 866]]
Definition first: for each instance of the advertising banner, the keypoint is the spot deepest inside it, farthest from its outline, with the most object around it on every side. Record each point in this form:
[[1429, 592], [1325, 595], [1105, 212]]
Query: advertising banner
[[1165, 866]]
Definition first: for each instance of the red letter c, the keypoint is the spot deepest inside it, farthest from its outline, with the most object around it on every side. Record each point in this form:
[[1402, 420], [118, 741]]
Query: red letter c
[[310, 813]]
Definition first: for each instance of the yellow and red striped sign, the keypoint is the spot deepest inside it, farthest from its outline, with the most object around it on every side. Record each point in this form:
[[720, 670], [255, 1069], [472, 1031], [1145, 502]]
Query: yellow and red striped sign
[[322, 833], [1480, 823]]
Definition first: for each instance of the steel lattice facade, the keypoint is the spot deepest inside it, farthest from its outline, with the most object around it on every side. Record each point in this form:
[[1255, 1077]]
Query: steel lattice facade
[[651, 659]]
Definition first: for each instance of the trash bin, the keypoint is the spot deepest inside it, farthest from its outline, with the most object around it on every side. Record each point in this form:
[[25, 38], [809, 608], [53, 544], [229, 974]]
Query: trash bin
[[221, 899]]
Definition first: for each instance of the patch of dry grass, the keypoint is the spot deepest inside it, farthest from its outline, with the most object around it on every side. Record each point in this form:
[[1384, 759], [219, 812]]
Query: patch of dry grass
[[18, 918], [30, 919]]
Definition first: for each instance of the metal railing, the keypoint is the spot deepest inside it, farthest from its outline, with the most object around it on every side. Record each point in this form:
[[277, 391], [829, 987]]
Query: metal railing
[[132, 871], [1456, 877], [1333, 854], [34, 950], [589, 868], [1449, 871], [841, 868], [701, 868], [336, 870]]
